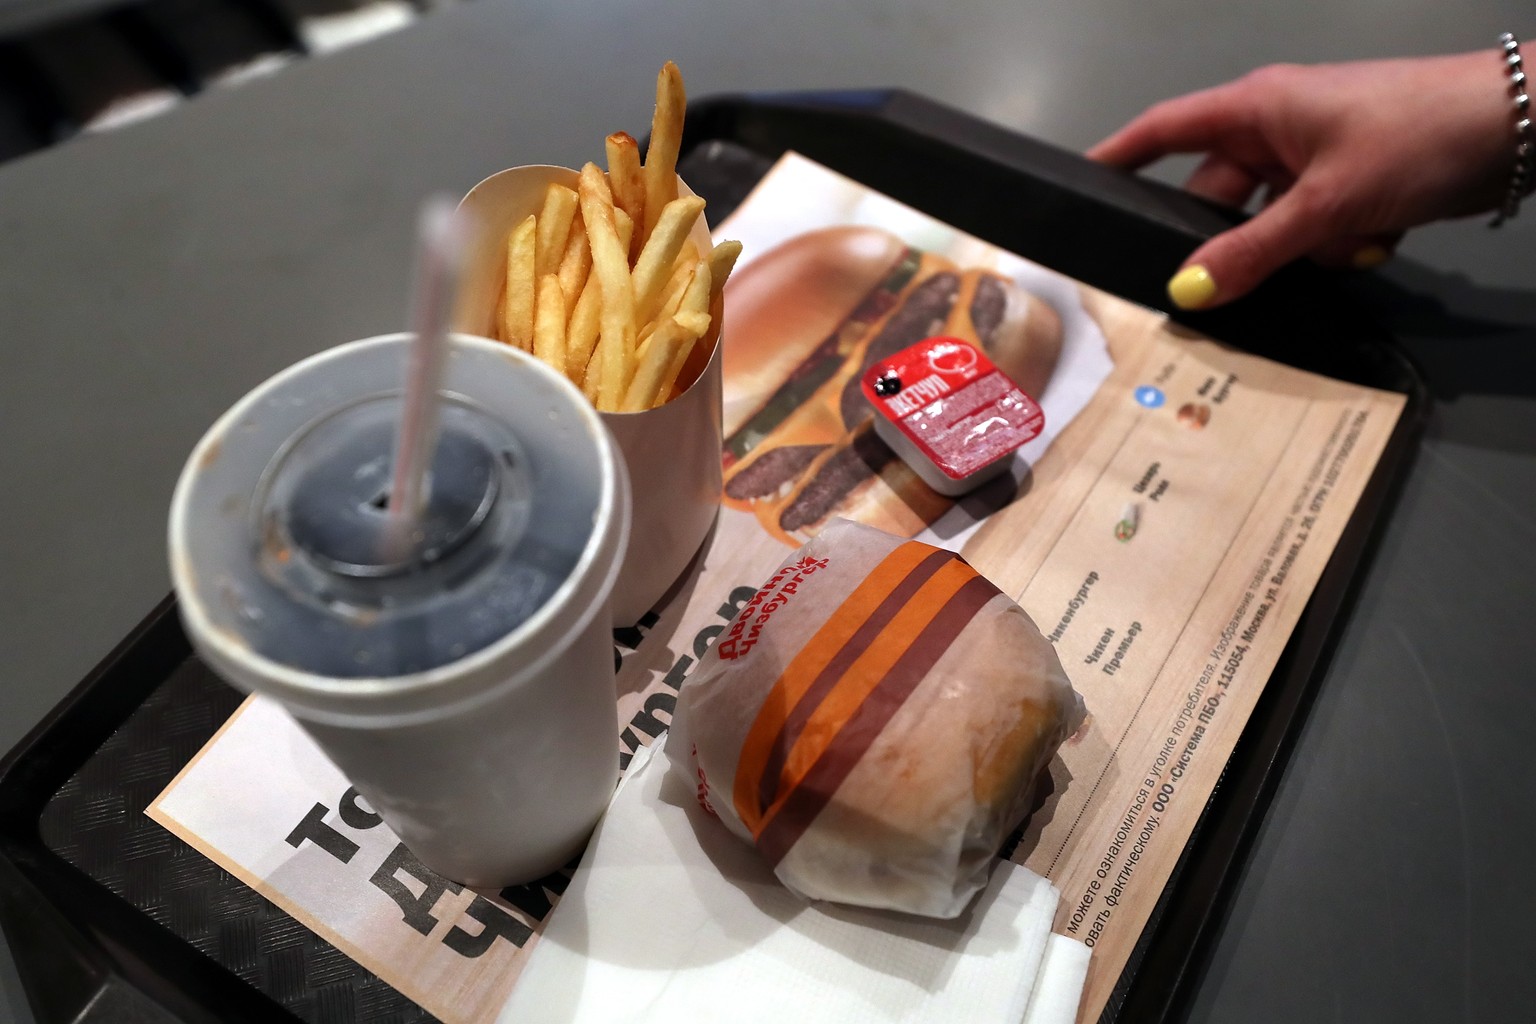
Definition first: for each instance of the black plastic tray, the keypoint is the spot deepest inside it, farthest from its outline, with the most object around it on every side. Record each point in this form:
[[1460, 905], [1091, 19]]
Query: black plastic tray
[[112, 918]]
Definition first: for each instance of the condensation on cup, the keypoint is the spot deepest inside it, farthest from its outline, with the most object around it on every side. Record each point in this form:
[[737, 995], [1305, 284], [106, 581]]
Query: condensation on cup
[[465, 687]]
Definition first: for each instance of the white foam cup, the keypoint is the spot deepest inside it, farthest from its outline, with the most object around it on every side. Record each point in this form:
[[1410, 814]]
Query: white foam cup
[[469, 696]]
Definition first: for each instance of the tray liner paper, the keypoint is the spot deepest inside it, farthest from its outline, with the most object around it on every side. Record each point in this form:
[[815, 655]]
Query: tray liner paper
[[1165, 533]]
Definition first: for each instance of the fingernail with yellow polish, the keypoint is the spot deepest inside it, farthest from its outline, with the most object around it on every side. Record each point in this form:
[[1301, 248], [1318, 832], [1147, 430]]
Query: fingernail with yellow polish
[[1192, 287], [1370, 256]]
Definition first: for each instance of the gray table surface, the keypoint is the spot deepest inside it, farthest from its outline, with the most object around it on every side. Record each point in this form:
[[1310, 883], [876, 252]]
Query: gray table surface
[[151, 276]]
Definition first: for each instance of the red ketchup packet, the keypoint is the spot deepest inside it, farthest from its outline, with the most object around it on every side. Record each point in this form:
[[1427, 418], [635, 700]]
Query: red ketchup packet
[[950, 414]]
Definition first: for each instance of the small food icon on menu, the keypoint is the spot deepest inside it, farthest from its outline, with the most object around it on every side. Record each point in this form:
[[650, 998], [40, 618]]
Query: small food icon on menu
[[1130, 518], [809, 318], [1194, 415]]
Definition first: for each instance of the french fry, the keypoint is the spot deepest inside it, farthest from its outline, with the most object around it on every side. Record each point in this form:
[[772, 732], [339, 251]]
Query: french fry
[[626, 179], [693, 317], [668, 340], [696, 296], [722, 260], [682, 280], [698, 306], [581, 333], [666, 141], [694, 323], [654, 266], [604, 284], [625, 226], [549, 322], [592, 382], [610, 265], [672, 294], [693, 326], [575, 265], [554, 228], [517, 304]]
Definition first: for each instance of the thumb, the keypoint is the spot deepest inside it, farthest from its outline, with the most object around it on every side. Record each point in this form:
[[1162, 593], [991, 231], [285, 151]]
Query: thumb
[[1234, 262]]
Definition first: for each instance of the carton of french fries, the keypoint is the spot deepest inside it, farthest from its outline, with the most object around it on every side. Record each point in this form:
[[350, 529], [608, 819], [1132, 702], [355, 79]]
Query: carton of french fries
[[611, 277]]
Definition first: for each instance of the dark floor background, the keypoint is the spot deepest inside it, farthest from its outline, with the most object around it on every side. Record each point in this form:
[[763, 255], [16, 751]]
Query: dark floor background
[[96, 70]]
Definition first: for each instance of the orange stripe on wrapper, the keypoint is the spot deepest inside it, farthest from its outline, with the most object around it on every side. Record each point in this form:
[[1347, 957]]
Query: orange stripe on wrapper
[[825, 710], [869, 630], [801, 675], [798, 808], [859, 681]]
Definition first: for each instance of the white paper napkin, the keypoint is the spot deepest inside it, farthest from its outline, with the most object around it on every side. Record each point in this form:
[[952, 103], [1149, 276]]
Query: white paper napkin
[[1059, 985], [670, 918]]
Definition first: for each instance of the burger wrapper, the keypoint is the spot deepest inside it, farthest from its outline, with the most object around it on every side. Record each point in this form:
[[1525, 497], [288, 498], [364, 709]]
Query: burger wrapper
[[672, 452], [874, 722]]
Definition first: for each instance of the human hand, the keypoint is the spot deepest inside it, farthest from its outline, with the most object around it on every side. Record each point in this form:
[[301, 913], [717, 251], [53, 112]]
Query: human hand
[[1350, 155]]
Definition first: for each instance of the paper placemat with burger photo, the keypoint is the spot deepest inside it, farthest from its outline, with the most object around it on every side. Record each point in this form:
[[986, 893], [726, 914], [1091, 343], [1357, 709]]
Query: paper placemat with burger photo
[[1165, 532]]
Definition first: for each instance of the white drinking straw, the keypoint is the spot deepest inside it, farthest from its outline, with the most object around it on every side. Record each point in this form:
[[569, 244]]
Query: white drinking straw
[[439, 261]]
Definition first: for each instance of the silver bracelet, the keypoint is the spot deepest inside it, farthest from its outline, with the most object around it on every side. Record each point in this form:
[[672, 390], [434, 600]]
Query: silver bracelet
[[1523, 178]]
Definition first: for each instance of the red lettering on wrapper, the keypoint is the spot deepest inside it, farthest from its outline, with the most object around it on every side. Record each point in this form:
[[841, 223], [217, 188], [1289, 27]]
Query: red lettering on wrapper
[[703, 790], [744, 632]]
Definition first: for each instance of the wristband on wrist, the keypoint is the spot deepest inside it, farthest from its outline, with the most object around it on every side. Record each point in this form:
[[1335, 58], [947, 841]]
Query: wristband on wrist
[[1523, 178]]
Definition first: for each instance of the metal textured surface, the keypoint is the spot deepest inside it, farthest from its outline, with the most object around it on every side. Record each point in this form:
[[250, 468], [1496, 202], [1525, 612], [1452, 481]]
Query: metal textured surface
[[96, 822]]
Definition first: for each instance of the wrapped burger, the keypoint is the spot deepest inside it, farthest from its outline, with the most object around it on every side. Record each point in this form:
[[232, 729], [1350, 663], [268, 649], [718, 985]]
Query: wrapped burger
[[874, 722]]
